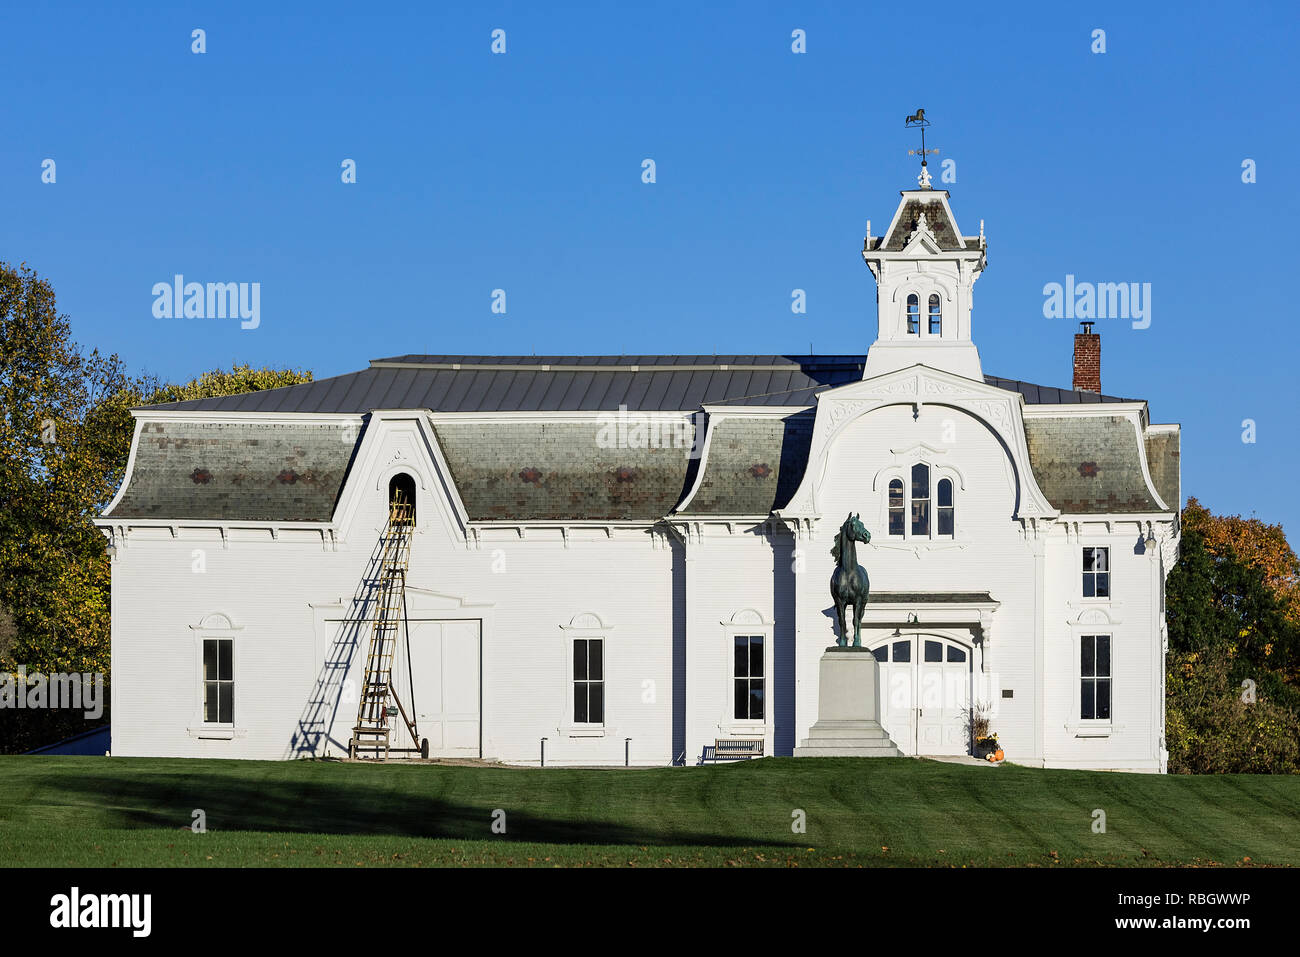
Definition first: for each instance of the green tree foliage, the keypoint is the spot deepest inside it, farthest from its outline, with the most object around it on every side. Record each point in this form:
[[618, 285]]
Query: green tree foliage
[[65, 438], [54, 468], [1214, 728], [1233, 643]]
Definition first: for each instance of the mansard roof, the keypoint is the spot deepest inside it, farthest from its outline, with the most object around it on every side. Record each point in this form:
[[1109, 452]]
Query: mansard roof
[[1163, 454], [553, 471], [451, 383], [1091, 464], [937, 218], [244, 471], [280, 467], [754, 464], [939, 221]]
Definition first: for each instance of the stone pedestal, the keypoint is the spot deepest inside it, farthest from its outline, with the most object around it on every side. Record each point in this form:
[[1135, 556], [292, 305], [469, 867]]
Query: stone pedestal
[[848, 709]]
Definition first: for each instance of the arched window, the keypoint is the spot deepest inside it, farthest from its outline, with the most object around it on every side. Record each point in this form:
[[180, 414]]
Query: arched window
[[936, 318], [920, 500], [943, 494], [401, 498], [913, 315], [932, 508], [896, 507]]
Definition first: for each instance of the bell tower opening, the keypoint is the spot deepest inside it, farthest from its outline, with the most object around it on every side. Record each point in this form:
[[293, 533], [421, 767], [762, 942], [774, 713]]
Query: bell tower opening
[[401, 498]]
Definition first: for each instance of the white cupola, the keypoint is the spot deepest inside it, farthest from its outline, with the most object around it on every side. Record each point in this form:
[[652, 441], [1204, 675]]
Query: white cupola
[[925, 270]]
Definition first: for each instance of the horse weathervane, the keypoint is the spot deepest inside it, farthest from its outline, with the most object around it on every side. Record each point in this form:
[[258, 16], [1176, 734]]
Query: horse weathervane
[[919, 121]]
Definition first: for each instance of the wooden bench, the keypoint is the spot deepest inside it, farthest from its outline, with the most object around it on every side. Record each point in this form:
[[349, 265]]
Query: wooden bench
[[733, 749]]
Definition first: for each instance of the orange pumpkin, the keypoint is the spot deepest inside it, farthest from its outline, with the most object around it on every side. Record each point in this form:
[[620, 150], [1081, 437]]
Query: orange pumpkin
[[998, 755]]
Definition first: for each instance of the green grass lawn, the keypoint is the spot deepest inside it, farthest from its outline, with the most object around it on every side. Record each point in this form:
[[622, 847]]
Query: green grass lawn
[[57, 811]]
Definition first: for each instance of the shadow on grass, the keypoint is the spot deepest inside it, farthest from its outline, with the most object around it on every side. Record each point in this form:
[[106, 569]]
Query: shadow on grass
[[351, 807]]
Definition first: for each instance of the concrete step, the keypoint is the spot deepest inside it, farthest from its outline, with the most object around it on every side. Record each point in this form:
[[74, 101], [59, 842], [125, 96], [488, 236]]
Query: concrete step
[[845, 742], [817, 751]]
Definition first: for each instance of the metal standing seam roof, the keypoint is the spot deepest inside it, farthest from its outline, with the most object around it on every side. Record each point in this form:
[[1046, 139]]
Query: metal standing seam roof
[[455, 383]]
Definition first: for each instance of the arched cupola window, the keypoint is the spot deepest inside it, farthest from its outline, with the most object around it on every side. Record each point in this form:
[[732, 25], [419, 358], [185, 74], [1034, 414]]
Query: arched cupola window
[[913, 315], [936, 316], [401, 498]]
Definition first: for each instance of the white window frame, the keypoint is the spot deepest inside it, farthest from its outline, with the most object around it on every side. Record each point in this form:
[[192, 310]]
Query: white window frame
[[219, 681], [923, 291], [748, 623], [938, 472], [935, 506], [1093, 621], [585, 626], [1080, 677], [216, 626], [765, 678], [889, 481], [1110, 574], [602, 681]]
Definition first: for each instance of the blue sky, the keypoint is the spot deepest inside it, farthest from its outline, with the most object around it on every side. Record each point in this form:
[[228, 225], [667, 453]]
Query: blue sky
[[522, 172]]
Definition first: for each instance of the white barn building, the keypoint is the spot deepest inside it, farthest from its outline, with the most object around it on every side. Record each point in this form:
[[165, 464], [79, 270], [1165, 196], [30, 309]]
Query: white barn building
[[629, 556]]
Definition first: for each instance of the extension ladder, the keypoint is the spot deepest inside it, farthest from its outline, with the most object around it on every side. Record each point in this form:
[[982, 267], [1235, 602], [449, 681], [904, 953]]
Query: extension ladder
[[371, 734]]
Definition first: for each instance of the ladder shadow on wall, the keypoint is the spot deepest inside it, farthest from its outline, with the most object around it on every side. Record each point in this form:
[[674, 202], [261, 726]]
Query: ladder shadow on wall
[[329, 693]]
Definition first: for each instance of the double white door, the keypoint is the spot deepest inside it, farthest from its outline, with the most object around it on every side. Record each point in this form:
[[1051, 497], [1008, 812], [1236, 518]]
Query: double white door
[[443, 675], [925, 693]]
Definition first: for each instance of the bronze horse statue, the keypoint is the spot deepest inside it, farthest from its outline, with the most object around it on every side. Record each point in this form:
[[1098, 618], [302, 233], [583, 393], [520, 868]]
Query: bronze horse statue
[[849, 582]]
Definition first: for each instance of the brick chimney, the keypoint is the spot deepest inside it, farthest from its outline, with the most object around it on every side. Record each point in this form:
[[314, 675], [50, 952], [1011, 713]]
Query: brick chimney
[[1087, 359]]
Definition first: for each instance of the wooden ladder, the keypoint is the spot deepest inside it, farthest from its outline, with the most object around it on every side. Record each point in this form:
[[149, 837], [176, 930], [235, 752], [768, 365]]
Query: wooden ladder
[[371, 733]]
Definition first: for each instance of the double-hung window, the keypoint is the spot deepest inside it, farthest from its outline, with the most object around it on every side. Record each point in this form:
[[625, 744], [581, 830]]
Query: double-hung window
[[1096, 572], [218, 681], [1094, 677], [749, 679], [588, 681]]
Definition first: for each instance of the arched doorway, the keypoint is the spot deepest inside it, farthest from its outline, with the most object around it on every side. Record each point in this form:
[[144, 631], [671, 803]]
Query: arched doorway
[[925, 692], [401, 492]]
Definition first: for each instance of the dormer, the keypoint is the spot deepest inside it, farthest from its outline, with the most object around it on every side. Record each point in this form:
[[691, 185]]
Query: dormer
[[925, 270]]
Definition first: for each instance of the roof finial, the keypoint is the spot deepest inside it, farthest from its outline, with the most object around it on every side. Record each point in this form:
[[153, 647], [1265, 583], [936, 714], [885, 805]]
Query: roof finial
[[918, 120]]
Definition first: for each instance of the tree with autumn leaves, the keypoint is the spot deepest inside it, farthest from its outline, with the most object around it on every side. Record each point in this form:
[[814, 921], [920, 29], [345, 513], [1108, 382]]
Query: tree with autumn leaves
[[65, 435], [1233, 668]]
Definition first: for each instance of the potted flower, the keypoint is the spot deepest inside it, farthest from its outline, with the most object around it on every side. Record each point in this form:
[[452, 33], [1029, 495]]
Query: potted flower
[[977, 726], [987, 746]]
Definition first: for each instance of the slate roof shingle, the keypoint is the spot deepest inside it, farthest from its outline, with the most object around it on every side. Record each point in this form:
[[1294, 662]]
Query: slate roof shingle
[[1088, 464]]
